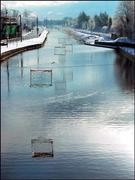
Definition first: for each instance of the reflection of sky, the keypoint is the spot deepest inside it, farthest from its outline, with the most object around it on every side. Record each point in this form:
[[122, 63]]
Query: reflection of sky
[[86, 113]]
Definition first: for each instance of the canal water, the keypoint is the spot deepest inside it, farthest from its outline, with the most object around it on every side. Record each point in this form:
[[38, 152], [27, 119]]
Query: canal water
[[87, 108]]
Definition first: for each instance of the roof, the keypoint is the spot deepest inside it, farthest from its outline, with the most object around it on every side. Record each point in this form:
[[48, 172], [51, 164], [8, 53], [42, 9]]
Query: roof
[[8, 20]]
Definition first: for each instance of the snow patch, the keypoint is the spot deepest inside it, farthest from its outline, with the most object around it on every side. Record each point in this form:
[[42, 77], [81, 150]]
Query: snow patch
[[25, 43]]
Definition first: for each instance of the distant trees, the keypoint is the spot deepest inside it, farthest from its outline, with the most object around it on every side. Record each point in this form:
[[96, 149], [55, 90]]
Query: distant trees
[[109, 23], [26, 13], [122, 24], [25, 19], [97, 23], [29, 20], [82, 20], [101, 20], [91, 24], [67, 21], [15, 13], [124, 19]]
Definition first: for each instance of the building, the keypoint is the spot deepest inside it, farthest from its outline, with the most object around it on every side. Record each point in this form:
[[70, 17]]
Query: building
[[9, 27]]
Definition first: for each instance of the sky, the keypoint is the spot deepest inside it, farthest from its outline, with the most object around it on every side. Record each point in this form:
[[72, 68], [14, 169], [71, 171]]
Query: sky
[[61, 9]]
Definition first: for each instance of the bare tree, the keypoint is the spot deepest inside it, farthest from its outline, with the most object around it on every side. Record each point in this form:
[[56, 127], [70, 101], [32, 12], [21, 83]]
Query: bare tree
[[91, 24], [124, 19], [15, 13], [25, 19], [109, 23]]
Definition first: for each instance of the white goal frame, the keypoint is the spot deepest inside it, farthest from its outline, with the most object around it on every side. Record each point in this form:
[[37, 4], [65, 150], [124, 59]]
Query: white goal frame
[[41, 153], [59, 47], [40, 70], [70, 45]]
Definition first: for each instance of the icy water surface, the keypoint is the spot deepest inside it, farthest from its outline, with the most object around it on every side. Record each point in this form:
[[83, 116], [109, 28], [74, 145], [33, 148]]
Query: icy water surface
[[87, 110]]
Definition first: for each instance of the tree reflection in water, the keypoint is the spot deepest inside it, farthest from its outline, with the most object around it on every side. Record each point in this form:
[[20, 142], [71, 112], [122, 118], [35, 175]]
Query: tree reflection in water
[[124, 68]]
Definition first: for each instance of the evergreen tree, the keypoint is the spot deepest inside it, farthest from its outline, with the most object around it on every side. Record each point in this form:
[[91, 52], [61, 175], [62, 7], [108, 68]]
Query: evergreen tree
[[82, 19]]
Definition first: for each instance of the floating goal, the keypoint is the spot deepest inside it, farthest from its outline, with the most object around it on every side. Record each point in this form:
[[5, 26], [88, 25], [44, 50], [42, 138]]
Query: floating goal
[[59, 50], [69, 47], [40, 77], [60, 87], [68, 76], [62, 59], [42, 147], [62, 40]]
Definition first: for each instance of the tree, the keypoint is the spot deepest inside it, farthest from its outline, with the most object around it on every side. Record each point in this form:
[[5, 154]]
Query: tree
[[83, 20], [15, 13], [91, 24], [109, 23], [104, 19], [97, 22], [101, 20], [124, 19], [26, 21], [26, 13], [67, 21]]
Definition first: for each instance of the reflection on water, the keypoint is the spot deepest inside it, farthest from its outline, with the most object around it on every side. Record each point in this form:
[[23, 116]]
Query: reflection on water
[[21, 65], [8, 81], [68, 75], [125, 72], [40, 77], [42, 147], [37, 56], [60, 87], [85, 111], [61, 59]]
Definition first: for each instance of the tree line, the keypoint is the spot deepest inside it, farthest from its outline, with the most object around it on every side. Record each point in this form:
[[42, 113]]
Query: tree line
[[122, 24], [101, 22]]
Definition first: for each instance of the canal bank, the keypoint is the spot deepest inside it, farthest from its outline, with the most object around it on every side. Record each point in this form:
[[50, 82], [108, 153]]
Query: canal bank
[[14, 48], [124, 51], [121, 45]]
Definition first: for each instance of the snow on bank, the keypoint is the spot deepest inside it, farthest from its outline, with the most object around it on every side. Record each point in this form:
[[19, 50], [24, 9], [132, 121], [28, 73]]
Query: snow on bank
[[104, 36], [16, 45], [89, 39], [130, 51], [33, 33]]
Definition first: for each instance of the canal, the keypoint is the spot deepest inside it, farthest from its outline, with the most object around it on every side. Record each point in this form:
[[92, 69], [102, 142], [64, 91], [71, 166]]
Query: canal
[[88, 111]]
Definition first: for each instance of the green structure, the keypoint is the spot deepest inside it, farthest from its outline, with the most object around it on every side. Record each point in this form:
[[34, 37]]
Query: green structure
[[9, 28]]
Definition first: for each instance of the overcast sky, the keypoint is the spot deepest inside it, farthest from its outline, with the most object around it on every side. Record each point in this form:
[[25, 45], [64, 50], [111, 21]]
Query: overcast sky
[[60, 9]]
